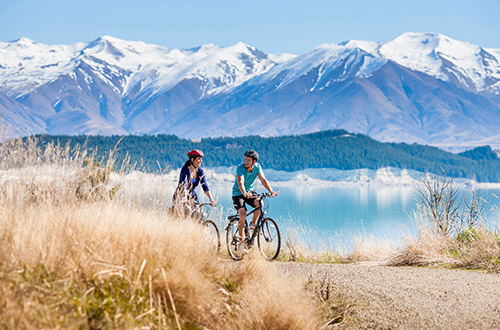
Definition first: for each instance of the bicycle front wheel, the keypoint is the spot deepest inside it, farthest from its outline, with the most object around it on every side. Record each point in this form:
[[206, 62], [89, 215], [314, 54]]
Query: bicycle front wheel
[[211, 233], [269, 239], [232, 240]]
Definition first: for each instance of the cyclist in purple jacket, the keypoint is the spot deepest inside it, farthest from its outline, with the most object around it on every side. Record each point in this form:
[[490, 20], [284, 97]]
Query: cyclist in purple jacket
[[190, 177]]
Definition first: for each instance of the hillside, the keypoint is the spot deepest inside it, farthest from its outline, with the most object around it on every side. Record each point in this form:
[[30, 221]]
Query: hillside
[[328, 149]]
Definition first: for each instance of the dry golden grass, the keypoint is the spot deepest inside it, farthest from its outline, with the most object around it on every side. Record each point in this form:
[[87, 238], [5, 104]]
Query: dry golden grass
[[473, 248], [368, 248], [304, 244], [428, 247], [450, 233], [91, 261]]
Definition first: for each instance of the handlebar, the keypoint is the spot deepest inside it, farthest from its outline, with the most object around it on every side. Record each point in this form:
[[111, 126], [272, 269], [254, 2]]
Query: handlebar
[[259, 196], [267, 194], [203, 204], [209, 203]]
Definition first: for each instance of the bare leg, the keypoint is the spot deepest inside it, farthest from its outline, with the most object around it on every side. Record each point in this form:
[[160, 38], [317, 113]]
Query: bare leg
[[256, 213], [241, 225]]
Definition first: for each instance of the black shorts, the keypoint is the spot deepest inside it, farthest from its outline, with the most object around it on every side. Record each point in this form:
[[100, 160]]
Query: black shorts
[[239, 202]]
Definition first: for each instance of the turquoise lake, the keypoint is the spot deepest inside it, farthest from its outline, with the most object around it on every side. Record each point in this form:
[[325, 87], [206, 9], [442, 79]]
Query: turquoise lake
[[381, 212]]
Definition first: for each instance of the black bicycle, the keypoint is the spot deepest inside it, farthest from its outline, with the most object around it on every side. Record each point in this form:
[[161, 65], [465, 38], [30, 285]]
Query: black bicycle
[[266, 233]]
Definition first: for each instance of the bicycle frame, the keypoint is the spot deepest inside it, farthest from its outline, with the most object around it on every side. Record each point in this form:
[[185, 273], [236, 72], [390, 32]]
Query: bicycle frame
[[258, 223], [266, 232], [198, 207]]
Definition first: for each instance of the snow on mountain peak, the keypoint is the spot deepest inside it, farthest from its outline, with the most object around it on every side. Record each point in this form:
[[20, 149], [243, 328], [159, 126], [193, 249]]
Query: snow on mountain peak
[[221, 68], [367, 46], [325, 58], [416, 51], [18, 43], [25, 64], [114, 40], [442, 57]]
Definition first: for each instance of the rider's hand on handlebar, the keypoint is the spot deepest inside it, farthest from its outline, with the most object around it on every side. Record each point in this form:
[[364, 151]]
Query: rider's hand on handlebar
[[249, 194], [274, 193], [213, 202]]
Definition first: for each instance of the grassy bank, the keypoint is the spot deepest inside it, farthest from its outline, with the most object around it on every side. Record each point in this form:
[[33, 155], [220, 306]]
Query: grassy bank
[[80, 252], [103, 266]]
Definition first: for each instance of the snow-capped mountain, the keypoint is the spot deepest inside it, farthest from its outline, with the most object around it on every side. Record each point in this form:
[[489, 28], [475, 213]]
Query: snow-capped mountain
[[419, 87], [122, 64], [437, 55]]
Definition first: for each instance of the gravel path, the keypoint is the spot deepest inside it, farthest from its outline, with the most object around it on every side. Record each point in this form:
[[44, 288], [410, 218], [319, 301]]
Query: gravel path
[[408, 297]]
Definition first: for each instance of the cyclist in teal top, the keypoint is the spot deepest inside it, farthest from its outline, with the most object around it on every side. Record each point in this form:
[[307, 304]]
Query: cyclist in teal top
[[246, 173]]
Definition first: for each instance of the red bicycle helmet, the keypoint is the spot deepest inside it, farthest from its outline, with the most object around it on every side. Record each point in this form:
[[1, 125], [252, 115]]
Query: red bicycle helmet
[[195, 153]]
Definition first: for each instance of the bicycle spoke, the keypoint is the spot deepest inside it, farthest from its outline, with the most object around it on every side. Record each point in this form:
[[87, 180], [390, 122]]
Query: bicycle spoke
[[232, 240], [211, 233], [269, 239]]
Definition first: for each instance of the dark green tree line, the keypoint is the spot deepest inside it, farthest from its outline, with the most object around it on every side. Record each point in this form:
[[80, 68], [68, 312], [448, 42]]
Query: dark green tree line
[[327, 149]]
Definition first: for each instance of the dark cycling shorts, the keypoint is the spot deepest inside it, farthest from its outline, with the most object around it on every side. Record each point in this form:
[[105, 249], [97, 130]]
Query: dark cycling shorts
[[239, 202]]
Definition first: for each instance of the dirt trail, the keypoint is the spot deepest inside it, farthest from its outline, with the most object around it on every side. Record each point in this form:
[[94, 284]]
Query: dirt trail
[[410, 298]]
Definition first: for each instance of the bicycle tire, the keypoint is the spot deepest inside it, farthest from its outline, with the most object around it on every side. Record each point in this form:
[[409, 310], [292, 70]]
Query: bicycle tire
[[212, 233], [269, 239], [232, 240]]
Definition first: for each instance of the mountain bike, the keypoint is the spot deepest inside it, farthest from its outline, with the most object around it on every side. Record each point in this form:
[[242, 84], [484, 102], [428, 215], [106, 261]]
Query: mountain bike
[[266, 233]]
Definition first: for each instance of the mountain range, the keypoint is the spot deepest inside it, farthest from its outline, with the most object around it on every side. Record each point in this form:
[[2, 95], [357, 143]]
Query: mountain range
[[421, 88]]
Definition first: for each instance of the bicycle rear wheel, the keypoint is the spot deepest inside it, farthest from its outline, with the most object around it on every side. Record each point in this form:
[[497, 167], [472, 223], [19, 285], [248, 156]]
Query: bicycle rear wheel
[[211, 233], [269, 239], [232, 240]]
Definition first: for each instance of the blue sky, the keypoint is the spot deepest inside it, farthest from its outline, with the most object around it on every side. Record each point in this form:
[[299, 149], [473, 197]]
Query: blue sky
[[274, 26]]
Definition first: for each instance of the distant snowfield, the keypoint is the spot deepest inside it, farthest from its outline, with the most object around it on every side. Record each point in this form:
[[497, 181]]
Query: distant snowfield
[[226, 175], [323, 177]]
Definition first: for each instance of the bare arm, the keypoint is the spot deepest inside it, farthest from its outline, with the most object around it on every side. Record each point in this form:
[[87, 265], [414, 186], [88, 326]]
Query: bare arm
[[266, 184], [241, 184], [209, 195]]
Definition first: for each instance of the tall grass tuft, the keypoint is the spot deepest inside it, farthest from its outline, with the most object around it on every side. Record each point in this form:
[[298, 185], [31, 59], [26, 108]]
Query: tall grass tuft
[[103, 260], [305, 244]]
